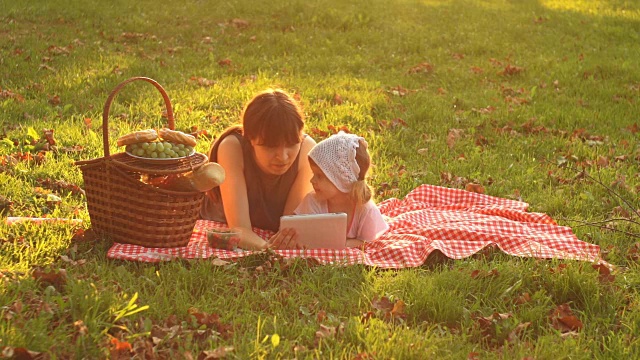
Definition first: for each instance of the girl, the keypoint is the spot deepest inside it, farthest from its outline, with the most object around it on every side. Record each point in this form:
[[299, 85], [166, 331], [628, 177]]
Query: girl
[[339, 165], [267, 170]]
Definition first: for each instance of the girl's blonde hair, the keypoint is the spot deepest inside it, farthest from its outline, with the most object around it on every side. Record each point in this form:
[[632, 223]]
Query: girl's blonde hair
[[361, 191]]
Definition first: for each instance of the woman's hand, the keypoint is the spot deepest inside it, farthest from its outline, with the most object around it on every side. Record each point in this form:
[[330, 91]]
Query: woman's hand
[[284, 239], [250, 240]]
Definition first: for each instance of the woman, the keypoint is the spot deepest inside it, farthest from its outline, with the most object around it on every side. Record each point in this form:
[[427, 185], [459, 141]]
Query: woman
[[267, 170]]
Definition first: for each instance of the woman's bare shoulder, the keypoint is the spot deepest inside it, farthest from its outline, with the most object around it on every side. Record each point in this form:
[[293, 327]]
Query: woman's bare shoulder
[[230, 148], [230, 143], [307, 143]]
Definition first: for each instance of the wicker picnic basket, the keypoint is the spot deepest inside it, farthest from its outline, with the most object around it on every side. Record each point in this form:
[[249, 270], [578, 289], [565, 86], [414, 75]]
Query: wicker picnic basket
[[128, 210]]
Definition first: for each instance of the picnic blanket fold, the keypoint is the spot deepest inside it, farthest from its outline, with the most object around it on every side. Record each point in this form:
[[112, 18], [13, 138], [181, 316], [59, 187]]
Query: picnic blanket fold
[[456, 222]]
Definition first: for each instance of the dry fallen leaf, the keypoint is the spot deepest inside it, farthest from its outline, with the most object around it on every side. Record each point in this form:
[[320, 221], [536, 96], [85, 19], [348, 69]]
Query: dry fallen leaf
[[325, 332], [602, 161], [54, 100], [66, 259], [487, 324], [204, 82], [517, 332], [55, 278], [321, 316], [604, 273], [218, 353], [399, 91], [621, 212], [80, 328], [476, 188], [523, 299], [398, 309], [218, 262], [563, 319], [421, 68], [510, 70], [120, 350], [18, 353], [453, 136], [480, 274], [389, 310], [240, 23]]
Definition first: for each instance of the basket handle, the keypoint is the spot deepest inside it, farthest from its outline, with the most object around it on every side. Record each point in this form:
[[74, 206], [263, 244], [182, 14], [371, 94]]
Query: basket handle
[[112, 95]]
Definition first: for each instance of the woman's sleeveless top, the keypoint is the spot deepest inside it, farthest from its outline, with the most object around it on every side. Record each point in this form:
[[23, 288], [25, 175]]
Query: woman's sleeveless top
[[267, 194]]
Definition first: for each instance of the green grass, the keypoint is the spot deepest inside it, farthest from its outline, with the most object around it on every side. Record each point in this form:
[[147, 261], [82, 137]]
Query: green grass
[[539, 90]]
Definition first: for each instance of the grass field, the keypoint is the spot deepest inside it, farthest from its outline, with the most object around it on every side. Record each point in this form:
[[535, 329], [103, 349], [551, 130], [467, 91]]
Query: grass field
[[533, 100]]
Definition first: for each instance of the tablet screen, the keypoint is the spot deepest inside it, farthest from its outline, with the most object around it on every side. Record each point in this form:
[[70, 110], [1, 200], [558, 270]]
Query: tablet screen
[[316, 231]]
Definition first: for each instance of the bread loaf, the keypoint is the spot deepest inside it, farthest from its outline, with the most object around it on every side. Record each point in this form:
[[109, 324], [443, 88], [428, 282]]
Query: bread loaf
[[137, 137], [177, 137], [203, 179], [206, 177]]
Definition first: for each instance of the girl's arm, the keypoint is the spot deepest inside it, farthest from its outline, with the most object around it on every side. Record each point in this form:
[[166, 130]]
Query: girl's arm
[[371, 224], [302, 184], [234, 193]]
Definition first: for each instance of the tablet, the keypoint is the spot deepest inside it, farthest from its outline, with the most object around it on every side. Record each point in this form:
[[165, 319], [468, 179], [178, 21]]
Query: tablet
[[316, 231]]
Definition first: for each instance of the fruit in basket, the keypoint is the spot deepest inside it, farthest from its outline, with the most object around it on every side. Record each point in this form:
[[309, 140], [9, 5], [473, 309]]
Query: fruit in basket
[[159, 150], [170, 144]]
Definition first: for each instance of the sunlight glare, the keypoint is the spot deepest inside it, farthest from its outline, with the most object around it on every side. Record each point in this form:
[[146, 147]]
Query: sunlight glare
[[621, 9]]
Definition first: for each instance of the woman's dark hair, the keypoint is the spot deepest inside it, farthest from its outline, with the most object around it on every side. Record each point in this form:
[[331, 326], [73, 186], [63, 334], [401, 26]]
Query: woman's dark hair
[[273, 117]]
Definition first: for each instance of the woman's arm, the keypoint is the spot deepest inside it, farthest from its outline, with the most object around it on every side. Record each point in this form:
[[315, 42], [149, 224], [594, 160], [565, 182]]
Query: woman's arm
[[287, 238], [234, 193], [302, 184]]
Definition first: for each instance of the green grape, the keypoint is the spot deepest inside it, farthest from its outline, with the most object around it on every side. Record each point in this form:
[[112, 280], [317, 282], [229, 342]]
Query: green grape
[[153, 146], [162, 155], [181, 146], [181, 153], [139, 152], [160, 147], [144, 145], [134, 147], [189, 149], [153, 155]]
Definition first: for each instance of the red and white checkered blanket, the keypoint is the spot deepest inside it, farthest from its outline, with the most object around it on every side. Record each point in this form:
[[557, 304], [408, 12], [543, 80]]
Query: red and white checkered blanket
[[456, 222]]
